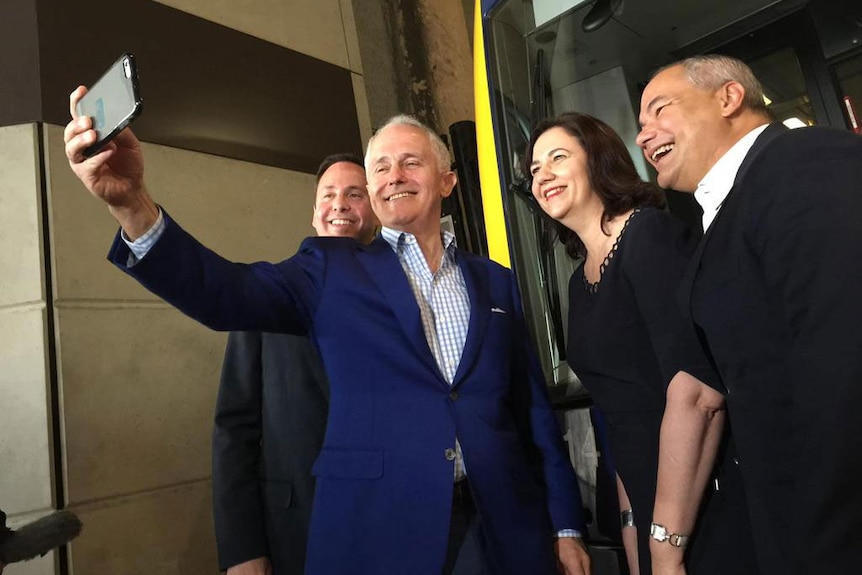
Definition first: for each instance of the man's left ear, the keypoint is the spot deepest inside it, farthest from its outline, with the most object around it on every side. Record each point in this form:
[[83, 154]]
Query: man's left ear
[[732, 95], [449, 181]]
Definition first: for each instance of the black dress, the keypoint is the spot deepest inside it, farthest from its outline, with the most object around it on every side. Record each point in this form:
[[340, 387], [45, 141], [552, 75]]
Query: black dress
[[626, 340]]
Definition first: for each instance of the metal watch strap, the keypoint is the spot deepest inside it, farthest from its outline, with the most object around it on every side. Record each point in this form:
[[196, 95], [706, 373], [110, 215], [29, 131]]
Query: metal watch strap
[[661, 534], [627, 519]]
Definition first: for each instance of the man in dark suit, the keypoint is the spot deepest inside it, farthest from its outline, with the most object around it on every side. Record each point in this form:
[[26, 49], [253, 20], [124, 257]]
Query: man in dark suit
[[271, 412], [442, 453], [773, 291]]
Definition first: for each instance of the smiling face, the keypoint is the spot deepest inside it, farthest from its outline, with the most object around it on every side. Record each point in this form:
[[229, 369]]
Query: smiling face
[[561, 182], [684, 129], [406, 181], [341, 204]]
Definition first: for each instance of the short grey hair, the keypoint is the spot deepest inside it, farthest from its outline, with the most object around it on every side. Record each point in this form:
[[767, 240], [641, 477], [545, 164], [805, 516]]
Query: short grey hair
[[438, 147], [712, 71]]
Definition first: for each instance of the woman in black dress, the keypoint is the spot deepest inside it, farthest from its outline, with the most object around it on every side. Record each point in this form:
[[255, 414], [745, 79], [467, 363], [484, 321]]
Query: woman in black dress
[[629, 345]]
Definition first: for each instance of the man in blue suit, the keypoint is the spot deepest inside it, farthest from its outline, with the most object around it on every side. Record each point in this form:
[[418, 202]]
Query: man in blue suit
[[271, 412], [442, 454]]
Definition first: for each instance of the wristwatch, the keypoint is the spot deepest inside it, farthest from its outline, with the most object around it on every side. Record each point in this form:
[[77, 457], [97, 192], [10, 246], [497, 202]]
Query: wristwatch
[[660, 533]]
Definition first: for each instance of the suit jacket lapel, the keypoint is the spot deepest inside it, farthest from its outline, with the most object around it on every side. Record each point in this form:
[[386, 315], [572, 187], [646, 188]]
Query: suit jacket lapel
[[760, 143], [476, 279], [385, 270]]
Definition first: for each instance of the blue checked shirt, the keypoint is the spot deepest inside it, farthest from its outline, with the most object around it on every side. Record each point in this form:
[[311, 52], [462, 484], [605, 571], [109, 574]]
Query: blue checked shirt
[[443, 304], [143, 244], [442, 298]]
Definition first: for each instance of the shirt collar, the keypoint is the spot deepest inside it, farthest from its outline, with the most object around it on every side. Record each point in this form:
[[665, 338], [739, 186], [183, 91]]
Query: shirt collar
[[397, 238], [716, 184]]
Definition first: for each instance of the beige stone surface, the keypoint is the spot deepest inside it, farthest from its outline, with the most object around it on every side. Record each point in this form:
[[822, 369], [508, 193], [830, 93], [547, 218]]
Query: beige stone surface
[[380, 63], [166, 532], [25, 456], [20, 217], [366, 129], [351, 36], [244, 211], [430, 76], [450, 60], [139, 387], [312, 27]]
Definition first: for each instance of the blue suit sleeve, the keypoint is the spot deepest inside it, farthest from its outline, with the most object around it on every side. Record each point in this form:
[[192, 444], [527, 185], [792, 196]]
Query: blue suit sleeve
[[540, 427], [224, 295]]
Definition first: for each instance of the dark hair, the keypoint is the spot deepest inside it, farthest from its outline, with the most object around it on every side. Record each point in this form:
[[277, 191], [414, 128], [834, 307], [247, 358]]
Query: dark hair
[[610, 169], [329, 161]]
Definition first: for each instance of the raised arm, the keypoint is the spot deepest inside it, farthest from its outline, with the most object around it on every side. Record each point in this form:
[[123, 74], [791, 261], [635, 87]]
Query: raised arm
[[115, 175], [220, 294]]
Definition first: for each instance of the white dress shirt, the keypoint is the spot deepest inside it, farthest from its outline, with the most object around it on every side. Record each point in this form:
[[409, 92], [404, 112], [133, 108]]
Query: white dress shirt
[[715, 185]]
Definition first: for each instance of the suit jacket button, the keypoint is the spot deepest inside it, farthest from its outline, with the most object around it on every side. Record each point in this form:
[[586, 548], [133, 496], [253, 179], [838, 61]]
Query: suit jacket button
[[453, 395], [450, 454]]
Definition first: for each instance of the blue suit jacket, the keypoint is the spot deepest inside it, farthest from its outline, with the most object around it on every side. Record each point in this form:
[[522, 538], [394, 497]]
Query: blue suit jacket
[[384, 484]]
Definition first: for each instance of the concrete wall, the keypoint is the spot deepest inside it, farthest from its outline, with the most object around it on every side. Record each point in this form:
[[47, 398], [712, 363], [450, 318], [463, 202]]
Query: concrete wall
[[26, 478], [417, 59]]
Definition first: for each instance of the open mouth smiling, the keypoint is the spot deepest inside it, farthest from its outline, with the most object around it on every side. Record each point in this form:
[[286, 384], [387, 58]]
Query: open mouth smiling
[[399, 195], [661, 152], [555, 191]]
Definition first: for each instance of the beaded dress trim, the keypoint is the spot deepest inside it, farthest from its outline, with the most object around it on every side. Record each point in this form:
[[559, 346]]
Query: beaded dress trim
[[594, 287]]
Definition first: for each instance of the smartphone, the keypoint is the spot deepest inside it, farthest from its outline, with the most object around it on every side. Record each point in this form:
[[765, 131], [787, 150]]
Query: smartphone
[[113, 102]]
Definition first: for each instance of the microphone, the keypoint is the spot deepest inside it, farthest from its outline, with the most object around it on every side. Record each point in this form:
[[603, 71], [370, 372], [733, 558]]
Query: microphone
[[37, 538]]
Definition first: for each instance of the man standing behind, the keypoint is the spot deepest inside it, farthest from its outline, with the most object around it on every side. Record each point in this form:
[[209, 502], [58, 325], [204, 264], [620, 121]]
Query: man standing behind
[[271, 412], [773, 291]]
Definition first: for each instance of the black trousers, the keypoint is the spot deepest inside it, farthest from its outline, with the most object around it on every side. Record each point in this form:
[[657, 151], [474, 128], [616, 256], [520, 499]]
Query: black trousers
[[466, 554]]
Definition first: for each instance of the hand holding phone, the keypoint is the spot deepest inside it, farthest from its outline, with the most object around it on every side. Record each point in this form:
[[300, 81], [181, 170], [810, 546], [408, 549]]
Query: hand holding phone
[[113, 102]]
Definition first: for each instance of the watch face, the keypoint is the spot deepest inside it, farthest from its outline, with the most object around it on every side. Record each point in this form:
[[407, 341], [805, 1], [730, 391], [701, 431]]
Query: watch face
[[661, 534], [658, 532]]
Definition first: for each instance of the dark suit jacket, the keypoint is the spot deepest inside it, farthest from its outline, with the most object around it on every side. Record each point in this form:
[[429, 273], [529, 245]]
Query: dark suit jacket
[[5, 532], [384, 476], [775, 290], [269, 424]]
